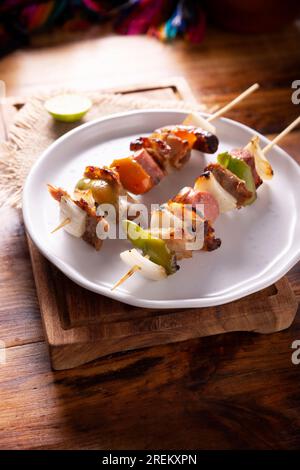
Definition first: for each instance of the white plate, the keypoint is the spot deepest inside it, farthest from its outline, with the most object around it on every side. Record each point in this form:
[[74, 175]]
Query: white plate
[[260, 243]]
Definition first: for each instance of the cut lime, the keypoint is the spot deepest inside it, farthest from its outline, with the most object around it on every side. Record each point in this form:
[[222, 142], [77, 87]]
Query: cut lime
[[68, 107]]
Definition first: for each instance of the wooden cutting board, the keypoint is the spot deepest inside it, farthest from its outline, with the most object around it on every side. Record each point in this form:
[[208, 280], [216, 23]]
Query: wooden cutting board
[[81, 326]]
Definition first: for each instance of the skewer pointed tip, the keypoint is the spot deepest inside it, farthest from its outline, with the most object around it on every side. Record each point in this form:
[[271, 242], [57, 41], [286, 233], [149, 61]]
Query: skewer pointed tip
[[126, 276], [62, 224]]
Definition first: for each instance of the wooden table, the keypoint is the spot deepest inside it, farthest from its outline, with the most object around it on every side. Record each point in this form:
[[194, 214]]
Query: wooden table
[[229, 391]]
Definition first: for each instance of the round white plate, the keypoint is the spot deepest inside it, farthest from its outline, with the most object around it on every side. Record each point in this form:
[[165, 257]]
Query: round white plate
[[260, 243]]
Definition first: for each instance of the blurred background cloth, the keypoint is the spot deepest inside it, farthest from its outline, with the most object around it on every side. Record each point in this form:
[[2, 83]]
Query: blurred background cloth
[[22, 21]]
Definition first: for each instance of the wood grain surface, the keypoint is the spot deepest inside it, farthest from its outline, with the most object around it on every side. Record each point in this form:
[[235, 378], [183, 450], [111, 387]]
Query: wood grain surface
[[227, 391]]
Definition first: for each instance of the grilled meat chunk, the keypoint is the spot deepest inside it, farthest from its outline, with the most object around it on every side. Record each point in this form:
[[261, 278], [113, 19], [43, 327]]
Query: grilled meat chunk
[[143, 158], [198, 139], [90, 234], [194, 197], [210, 241], [245, 155], [155, 146], [179, 151], [230, 182], [167, 150]]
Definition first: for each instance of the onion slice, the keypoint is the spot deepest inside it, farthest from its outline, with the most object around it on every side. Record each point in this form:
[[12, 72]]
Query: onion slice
[[194, 119], [77, 216], [86, 195], [207, 182], [262, 165], [147, 268]]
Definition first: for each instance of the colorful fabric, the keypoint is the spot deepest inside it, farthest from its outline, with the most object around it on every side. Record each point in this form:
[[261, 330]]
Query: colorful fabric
[[164, 19]]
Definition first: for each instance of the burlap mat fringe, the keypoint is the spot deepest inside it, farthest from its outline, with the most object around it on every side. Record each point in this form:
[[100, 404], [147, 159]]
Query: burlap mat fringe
[[34, 130]]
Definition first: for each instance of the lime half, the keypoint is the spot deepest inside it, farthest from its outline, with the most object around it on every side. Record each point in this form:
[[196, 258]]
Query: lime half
[[68, 107]]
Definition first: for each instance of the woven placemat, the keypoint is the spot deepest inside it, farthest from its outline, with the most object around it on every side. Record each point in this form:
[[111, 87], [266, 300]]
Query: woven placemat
[[34, 130]]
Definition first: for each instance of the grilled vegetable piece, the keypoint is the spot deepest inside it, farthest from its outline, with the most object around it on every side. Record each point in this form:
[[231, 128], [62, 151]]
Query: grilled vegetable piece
[[207, 182], [132, 175], [194, 197], [262, 165], [245, 155], [242, 170], [102, 191], [83, 219], [231, 183], [198, 139], [77, 217], [85, 194], [102, 183], [155, 248], [138, 173], [146, 267], [194, 119]]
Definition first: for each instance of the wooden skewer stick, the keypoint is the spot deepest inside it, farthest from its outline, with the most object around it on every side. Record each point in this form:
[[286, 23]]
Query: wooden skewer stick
[[62, 224], [126, 276], [232, 103], [281, 135]]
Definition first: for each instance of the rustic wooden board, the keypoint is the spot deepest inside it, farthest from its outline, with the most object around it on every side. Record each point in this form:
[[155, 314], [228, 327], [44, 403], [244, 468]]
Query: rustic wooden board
[[81, 326]]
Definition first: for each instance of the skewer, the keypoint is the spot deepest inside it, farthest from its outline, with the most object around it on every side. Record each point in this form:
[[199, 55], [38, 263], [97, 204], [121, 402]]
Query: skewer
[[218, 113], [62, 224], [232, 103], [126, 276], [281, 135], [264, 151]]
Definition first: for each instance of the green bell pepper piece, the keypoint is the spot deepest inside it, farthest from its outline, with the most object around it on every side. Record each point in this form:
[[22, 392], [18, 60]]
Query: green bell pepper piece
[[242, 170], [155, 248]]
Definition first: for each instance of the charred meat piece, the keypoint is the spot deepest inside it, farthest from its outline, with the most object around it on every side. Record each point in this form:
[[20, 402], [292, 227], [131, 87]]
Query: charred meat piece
[[107, 174], [198, 139], [194, 197], [90, 234], [149, 165], [210, 241], [179, 151], [155, 146], [167, 150], [57, 193], [245, 155], [231, 183], [198, 221]]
